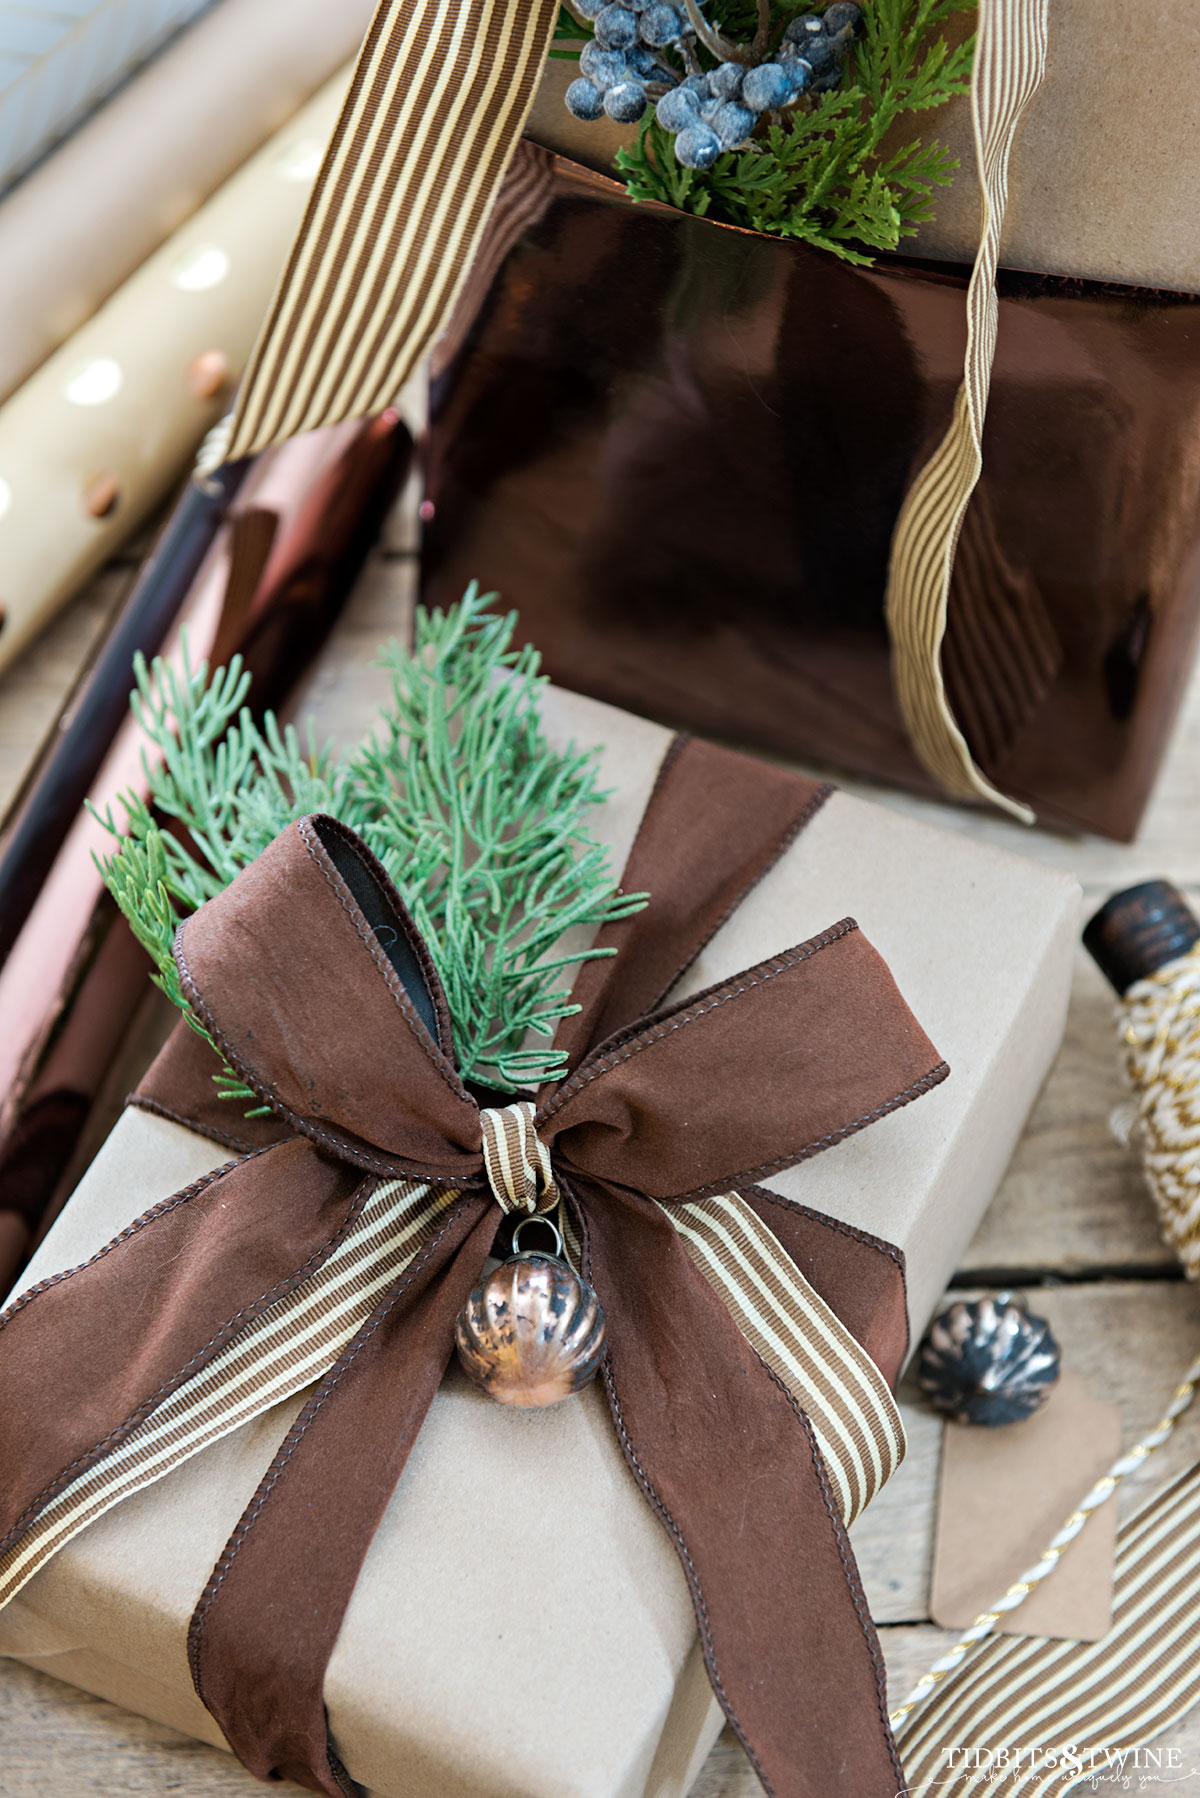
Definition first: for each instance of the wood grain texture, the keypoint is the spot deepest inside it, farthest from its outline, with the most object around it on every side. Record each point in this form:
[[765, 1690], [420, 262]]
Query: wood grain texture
[[1071, 1224]]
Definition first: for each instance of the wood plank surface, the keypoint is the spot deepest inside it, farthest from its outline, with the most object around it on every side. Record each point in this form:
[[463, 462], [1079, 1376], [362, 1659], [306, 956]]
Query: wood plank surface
[[1071, 1225]]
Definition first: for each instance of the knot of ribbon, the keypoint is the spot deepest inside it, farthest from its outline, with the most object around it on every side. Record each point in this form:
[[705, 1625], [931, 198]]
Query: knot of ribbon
[[516, 1160], [751, 1342]]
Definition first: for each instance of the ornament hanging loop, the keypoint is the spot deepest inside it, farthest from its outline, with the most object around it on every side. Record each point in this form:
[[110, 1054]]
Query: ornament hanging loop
[[540, 1222]]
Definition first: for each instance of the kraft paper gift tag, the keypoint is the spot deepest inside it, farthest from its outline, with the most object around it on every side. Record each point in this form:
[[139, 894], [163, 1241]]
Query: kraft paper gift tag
[[1003, 1495]]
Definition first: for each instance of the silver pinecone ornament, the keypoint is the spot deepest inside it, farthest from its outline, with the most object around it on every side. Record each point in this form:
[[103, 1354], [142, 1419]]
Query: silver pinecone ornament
[[988, 1361]]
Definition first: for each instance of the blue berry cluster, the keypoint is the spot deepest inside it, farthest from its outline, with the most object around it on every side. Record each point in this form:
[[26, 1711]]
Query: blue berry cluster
[[646, 52]]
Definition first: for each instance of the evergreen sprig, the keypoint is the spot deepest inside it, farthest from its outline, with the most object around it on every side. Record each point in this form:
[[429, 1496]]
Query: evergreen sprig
[[820, 175], [478, 820]]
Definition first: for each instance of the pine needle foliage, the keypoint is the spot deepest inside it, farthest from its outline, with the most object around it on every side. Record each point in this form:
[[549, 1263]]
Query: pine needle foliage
[[479, 821], [821, 175]]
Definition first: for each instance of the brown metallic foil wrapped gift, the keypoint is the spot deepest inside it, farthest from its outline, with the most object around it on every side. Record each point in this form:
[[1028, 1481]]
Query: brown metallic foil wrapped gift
[[681, 449]]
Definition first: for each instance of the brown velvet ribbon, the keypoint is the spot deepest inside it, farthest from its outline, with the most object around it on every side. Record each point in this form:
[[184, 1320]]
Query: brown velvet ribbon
[[350, 1044]]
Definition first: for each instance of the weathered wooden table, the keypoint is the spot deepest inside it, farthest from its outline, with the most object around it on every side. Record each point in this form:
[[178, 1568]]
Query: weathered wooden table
[[1071, 1220]]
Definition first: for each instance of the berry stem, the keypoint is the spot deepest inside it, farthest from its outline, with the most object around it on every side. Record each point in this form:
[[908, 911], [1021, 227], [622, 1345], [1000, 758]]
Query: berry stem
[[723, 48]]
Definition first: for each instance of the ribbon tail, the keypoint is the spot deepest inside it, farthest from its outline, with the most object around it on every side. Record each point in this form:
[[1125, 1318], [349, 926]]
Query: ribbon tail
[[266, 1624], [727, 1459], [93, 1351], [716, 823]]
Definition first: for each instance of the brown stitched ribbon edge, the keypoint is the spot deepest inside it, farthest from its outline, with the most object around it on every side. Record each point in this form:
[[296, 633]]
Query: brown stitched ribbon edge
[[292, 981]]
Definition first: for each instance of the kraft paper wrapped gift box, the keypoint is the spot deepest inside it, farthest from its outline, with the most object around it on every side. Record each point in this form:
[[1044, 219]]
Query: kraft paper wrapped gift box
[[522, 1627]]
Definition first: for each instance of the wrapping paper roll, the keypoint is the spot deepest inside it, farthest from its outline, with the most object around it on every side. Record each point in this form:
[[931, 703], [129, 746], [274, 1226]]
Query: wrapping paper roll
[[102, 431], [283, 565], [76, 227], [58, 60]]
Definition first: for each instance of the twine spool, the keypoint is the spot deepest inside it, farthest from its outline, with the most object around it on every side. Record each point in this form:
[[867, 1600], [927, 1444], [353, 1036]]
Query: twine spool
[[1147, 942]]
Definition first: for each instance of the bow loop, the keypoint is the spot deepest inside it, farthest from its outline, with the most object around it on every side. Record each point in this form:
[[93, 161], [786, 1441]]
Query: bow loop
[[756, 1074], [313, 978]]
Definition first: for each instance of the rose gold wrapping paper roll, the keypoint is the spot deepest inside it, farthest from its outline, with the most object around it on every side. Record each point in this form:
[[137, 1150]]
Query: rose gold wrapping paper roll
[[71, 984], [76, 227], [98, 436]]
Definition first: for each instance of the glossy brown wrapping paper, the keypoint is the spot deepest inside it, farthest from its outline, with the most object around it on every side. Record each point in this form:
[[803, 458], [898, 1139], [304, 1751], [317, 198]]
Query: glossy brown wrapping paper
[[453, 1675], [679, 450]]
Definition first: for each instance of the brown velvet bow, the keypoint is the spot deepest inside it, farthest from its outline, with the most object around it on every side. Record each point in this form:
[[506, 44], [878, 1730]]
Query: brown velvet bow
[[349, 1042]]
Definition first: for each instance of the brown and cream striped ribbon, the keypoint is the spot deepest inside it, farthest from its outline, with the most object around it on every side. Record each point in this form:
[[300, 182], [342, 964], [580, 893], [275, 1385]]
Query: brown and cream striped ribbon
[[436, 106], [789, 1326], [1003, 652], [516, 1160], [1010, 60], [523, 200], [438, 100], [846, 1399], [285, 1349], [298, 1339], [1029, 1717]]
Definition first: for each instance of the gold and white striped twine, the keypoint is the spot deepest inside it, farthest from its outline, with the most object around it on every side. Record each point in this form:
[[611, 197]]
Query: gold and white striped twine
[[1160, 1040], [1120, 1692], [1010, 60]]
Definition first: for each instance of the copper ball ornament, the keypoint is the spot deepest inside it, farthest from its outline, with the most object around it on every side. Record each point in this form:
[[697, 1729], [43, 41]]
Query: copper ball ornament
[[532, 1332]]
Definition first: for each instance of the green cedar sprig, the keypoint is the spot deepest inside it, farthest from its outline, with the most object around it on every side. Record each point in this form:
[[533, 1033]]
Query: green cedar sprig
[[820, 174], [479, 821]]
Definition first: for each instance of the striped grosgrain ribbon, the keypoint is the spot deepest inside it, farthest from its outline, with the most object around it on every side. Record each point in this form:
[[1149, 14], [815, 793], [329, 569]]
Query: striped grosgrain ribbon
[[436, 106], [789, 1326], [1010, 60], [397, 218], [1030, 1717], [516, 1160], [284, 1350], [297, 1340]]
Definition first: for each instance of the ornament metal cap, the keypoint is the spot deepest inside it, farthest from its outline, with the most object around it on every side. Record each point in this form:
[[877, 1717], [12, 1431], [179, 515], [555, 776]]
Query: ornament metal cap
[[1140, 930], [988, 1361]]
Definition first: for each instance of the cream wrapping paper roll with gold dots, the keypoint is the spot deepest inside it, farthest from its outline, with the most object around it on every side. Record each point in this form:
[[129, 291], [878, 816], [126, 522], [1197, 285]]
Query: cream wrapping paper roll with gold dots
[[97, 437], [81, 222]]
